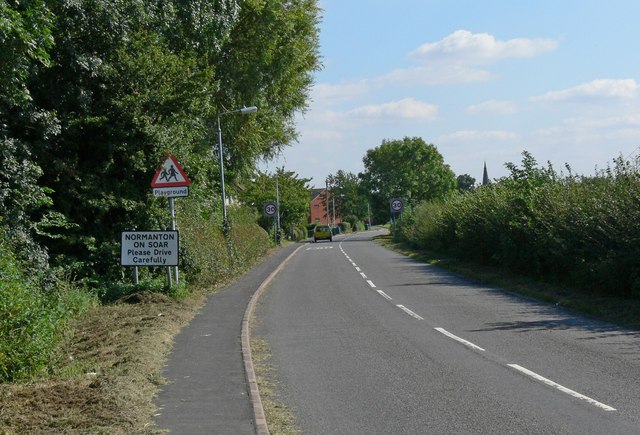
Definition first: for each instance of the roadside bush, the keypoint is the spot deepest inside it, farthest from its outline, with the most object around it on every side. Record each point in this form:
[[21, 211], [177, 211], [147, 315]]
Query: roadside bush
[[582, 231], [310, 229], [299, 233], [31, 320], [250, 241], [345, 227], [207, 257]]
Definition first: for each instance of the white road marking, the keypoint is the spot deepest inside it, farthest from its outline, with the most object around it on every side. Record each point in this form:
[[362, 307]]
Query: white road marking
[[357, 268], [409, 312], [363, 275], [461, 340], [371, 283], [566, 390], [384, 295]]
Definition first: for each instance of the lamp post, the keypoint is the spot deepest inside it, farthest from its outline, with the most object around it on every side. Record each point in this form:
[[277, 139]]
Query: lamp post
[[243, 111]]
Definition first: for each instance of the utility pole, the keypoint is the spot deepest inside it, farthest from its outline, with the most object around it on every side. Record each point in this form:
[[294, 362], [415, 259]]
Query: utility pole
[[326, 198]]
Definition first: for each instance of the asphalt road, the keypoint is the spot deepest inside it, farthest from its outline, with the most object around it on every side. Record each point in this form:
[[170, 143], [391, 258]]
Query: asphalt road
[[367, 341]]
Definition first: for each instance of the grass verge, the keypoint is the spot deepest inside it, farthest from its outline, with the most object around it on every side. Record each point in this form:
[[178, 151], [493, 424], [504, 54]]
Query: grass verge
[[280, 419], [624, 312], [109, 370]]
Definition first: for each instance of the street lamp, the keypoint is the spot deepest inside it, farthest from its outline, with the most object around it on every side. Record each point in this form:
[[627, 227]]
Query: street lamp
[[243, 111]]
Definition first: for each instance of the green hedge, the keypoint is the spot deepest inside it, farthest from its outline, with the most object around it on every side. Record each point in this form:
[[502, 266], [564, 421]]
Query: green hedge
[[207, 258], [582, 231]]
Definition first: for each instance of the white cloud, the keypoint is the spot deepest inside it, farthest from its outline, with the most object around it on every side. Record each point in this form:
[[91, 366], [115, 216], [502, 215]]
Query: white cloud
[[326, 93], [464, 47], [407, 108], [468, 136], [441, 75], [493, 106], [594, 90]]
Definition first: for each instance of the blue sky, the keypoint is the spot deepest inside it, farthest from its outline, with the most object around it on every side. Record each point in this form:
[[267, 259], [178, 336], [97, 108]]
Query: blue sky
[[481, 80]]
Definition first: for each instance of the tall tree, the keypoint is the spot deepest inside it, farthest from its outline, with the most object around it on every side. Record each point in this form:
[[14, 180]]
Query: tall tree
[[293, 193], [26, 40], [465, 183], [346, 191], [131, 79], [408, 168], [268, 62]]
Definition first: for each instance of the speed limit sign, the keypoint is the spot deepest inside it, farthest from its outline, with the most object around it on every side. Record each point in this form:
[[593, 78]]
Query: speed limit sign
[[269, 209], [397, 206]]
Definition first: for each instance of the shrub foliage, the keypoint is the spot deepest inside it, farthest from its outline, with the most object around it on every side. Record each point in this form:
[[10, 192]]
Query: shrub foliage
[[577, 230]]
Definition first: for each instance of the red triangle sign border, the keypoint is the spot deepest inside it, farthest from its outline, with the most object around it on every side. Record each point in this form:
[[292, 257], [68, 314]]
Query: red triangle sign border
[[156, 182]]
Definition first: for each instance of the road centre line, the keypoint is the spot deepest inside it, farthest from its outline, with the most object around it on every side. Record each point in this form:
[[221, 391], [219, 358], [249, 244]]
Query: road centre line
[[461, 340], [566, 390], [409, 312], [467, 343], [384, 295]]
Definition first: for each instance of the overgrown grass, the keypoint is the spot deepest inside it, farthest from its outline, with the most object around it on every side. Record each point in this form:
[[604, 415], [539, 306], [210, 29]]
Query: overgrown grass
[[34, 313], [32, 319]]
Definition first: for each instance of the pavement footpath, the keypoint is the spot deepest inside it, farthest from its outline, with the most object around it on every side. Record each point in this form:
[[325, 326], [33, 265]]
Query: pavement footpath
[[207, 390]]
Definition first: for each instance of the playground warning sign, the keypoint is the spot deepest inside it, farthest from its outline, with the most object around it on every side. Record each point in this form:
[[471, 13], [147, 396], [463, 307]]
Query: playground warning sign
[[170, 174]]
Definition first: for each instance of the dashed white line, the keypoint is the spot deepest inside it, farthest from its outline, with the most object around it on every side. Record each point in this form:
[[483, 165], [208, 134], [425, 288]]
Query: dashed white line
[[566, 390], [384, 295], [467, 343], [409, 312], [461, 340]]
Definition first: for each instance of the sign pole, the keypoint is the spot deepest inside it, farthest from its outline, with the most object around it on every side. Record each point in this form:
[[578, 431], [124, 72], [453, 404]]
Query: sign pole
[[172, 210]]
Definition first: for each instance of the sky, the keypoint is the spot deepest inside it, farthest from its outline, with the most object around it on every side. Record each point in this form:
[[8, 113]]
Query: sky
[[482, 80]]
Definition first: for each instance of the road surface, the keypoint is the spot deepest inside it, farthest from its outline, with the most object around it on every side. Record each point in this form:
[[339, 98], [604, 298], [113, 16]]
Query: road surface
[[367, 341]]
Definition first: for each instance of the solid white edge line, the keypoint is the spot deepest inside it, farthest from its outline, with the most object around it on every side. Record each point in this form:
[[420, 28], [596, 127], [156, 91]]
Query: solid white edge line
[[384, 295], [566, 390], [371, 283], [461, 340], [409, 312]]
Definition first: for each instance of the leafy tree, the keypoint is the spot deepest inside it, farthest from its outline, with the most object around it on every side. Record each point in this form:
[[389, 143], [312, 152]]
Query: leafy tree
[[465, 182], [347, 192], [408, 168], [267, 62], [293, 195], [129, 80], [25, 38]]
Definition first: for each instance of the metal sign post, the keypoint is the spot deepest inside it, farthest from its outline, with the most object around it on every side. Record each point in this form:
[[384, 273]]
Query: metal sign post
[[396, 206], [270, 210]]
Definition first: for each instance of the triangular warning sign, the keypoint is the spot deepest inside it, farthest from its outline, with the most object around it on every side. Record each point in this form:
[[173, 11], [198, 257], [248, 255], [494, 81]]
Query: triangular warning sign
[[170, 174]]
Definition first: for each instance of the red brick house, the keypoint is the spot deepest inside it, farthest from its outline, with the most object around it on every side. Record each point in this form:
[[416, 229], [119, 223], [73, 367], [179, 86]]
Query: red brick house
[[321, 211]]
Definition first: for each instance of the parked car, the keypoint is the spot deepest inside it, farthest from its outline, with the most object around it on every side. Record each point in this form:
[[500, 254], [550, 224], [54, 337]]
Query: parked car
[[322, 232]]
